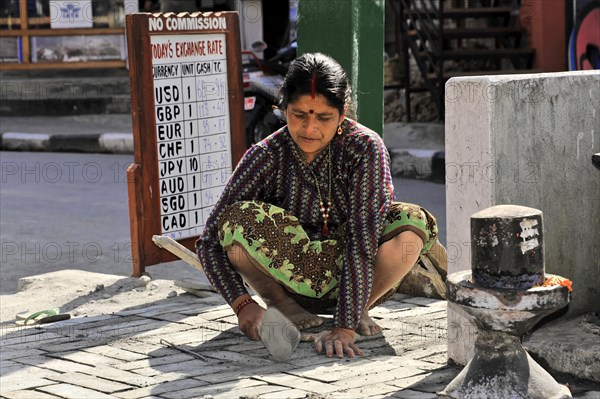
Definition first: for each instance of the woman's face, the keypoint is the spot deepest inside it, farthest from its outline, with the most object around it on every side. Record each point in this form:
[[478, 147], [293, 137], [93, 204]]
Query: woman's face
[[313, 123]]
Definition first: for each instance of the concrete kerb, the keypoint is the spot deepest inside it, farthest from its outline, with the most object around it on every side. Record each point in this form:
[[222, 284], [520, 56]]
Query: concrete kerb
[[114, 143]]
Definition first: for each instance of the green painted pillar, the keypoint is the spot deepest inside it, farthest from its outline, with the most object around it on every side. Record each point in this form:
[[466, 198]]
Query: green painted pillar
[[352, 32]]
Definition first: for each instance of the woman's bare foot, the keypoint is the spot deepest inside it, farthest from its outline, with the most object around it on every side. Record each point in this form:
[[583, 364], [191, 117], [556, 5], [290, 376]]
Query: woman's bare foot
[[367, 326], [297, 314]]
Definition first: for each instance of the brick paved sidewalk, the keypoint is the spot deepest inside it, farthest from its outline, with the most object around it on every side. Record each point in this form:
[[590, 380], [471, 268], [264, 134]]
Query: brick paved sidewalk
[[121, 356]]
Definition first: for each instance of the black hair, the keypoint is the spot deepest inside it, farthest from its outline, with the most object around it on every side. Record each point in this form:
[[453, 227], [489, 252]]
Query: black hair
[[316, 73]]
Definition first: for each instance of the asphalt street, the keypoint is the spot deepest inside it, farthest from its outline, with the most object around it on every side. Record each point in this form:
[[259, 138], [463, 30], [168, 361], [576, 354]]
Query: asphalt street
[[69, 211]]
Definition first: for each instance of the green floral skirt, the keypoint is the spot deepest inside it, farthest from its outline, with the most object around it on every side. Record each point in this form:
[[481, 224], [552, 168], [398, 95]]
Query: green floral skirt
[[309, 270]]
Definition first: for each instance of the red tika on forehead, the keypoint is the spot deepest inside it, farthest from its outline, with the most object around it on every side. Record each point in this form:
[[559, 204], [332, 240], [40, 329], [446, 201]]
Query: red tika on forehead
[[313, 85]]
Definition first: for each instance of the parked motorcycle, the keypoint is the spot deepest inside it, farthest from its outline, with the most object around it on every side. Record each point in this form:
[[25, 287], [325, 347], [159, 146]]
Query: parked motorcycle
[[262, 81]]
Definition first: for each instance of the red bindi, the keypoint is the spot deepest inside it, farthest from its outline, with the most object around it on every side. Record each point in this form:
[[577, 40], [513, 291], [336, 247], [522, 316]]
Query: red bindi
[[310, 111]]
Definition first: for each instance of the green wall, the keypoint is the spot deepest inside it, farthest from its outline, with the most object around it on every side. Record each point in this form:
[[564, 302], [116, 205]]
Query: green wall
[[352, 32]]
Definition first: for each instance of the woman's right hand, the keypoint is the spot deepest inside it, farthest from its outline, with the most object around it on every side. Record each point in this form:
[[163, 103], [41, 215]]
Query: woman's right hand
[[250, 319]]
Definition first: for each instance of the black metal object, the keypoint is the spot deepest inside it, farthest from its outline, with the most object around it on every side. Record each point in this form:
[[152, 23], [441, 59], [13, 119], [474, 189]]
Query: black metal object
[[596, 160], [507, 248]]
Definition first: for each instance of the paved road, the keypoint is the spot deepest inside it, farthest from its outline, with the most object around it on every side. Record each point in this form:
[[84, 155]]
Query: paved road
[[69, 211]]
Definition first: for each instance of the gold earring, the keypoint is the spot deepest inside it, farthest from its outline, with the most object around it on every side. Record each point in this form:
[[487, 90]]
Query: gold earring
[[339, 130]]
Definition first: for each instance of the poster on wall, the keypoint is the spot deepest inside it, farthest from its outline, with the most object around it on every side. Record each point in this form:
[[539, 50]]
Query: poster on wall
[[71, 14]]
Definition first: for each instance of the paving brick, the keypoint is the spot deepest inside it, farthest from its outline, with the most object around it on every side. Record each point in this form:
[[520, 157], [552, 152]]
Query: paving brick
[[79, 344], [390, 309], [410, 394], [163, 330], [204, 307], [212, 389], [287, 393], [145, 309], [106, 372], [439, 304], [188, 336], [439, 358], [91, 382], [422, 301], [123, 376], [9, 354], [175, 309], [154, 361], [215, 339], [8, 331], [316, 359], [59, 365], [32, 340], [113, 327], [176, 318], [238, 358], [418, 311], [142, 348], [172, 386], [253, 391], [406, 361], [427, 351], [116, 353], [178, 367], [246, 345], [27, 395], [217, 314], [25, 372], [371, 390], [133, 329], [239, 373], [293, 381], [378, 377], [409, 382], [74, 321], [200, 372], [231, 320], [90, 359], [6, 364], [433, 381], [334, 372], [8, 384], [73, 391], [11, 369]]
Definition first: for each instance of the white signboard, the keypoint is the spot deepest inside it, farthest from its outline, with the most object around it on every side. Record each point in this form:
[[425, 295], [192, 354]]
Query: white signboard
[[192, 128], [71, 14]]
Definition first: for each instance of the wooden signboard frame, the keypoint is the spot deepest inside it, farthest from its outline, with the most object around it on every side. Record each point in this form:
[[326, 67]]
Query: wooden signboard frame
[[143, 175]]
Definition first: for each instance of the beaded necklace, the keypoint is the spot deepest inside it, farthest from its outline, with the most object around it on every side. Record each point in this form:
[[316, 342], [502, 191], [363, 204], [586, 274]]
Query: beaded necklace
[[324, 209]]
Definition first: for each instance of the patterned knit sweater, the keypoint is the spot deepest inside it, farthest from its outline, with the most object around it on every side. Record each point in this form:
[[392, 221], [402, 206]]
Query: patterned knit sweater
[[275, 172]]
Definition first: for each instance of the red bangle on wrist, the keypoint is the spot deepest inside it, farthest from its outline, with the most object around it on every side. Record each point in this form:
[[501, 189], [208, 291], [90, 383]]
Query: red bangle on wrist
[[242, 304]]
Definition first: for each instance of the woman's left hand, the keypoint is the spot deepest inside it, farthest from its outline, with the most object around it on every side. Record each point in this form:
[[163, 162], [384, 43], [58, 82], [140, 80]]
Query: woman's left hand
[[338, 341]]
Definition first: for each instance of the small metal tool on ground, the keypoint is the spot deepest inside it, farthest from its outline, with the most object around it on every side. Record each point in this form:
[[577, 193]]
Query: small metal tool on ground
[[179, 348]]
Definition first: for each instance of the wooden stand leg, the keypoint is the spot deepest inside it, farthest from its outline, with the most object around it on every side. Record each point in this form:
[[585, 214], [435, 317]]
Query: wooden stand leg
[[134, 189]]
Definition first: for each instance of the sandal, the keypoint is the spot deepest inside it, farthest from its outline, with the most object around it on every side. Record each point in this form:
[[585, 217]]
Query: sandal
[[42, 317]]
